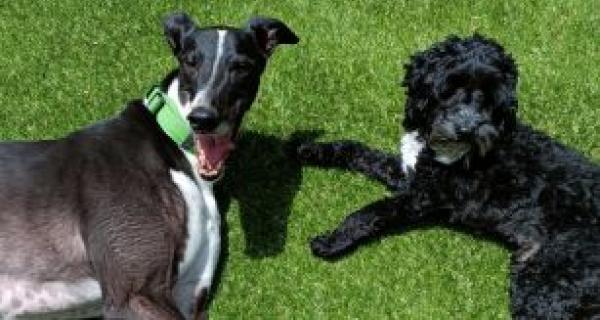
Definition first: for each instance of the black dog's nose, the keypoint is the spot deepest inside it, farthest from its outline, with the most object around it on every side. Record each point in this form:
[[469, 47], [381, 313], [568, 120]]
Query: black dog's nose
[[203, 120], [464, 130], [466, 120]]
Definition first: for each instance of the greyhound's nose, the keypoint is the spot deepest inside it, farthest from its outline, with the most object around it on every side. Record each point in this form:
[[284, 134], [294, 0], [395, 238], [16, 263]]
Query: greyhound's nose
[[203, 120]]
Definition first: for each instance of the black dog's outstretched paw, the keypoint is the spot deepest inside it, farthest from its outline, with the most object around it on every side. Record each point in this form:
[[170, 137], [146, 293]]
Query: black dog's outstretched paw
[[301, 146], [321, 246], [308, 153], [328, 246]]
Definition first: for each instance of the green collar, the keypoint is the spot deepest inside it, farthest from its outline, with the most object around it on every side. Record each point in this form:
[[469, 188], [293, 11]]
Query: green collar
[[169, 119]]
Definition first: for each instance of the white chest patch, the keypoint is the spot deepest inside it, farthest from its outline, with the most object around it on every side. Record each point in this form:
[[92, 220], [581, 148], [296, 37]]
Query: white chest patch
[[203, 244], [410, 148]]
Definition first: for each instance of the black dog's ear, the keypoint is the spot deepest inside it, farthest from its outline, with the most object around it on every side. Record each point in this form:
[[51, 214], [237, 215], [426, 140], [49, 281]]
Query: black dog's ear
[[269, 32], [176, 27], [418, 83]]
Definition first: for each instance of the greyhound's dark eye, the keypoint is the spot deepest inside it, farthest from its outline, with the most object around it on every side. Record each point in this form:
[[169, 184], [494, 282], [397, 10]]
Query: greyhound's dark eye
[[241, 66], [192, 60]]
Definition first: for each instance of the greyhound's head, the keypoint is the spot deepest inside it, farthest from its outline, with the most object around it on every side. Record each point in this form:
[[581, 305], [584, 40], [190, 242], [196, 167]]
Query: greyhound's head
[[218, 77]]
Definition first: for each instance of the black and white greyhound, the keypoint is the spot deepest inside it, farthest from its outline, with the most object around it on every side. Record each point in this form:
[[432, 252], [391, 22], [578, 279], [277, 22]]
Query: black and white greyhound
[[123, 211]]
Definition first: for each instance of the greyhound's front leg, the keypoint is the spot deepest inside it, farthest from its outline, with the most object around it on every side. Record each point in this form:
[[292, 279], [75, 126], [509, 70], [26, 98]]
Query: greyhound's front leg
[[200, 307]]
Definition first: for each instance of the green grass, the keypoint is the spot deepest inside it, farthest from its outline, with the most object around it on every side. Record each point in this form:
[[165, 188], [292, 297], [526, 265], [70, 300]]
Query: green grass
[[66, 64]]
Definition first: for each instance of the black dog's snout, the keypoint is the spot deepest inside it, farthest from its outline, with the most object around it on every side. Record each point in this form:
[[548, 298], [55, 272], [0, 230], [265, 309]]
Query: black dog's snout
[[466, 128], [466, 120], [463, 130], [203, 120]]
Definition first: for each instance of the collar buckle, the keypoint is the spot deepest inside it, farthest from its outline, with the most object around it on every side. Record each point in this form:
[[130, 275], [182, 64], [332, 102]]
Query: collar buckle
[[169, 118]]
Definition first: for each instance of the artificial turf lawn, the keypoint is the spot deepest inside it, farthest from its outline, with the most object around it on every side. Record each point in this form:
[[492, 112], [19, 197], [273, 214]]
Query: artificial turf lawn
[[69, 63]]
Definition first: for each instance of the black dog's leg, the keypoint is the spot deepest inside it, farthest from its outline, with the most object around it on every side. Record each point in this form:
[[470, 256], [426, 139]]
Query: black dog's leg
[[540, 289], [560, 281], [369, 222], [353, 156]]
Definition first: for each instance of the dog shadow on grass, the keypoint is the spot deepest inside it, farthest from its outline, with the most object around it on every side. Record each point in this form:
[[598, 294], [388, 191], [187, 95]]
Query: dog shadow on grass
[[263, 180]]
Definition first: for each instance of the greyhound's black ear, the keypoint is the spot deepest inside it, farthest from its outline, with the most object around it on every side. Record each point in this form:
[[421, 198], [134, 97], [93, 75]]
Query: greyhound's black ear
[[269, 33], [177, 26]]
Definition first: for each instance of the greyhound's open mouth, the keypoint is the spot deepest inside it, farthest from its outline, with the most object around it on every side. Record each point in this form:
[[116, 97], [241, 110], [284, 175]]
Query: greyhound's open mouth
[[213, 150]]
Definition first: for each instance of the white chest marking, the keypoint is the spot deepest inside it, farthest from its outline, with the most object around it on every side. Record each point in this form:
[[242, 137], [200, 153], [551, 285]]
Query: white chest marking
[[22, 296], [411, 146], [197, 268], [203, 245]]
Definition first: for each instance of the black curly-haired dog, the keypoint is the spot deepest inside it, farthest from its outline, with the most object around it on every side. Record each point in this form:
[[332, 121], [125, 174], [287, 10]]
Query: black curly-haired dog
[[467, 162]]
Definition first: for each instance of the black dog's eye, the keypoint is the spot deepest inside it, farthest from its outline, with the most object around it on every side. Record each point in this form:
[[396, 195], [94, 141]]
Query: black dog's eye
[[452, 83], [242, 67], [488, 82], [458, 80], [447, 92]]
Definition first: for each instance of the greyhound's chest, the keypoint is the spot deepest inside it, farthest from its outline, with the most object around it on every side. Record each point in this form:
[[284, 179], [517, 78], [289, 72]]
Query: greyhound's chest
[[202, 246]]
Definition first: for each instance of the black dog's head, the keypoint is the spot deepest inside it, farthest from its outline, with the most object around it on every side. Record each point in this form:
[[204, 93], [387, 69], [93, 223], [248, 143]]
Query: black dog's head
[[218, 78], [461, 96]]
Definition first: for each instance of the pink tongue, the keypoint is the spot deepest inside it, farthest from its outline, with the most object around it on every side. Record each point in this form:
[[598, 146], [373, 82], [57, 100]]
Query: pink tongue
[[215, 148]]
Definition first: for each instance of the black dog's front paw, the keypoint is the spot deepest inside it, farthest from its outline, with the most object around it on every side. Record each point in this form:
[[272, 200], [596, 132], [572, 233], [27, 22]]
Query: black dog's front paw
[[320, 246], [328, 246], [302, 148], [308, 153]]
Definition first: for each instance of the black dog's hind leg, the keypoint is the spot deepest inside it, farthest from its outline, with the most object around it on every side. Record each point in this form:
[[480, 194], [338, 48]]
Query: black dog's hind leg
[[353, 156], [560, 281], [372, 221]]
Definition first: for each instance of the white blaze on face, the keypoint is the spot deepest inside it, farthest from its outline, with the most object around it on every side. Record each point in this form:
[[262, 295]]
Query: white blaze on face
[[202, 98]]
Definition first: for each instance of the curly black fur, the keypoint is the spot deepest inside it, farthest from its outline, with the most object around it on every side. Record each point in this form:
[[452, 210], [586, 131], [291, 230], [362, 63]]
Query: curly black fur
[[481, 170]]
